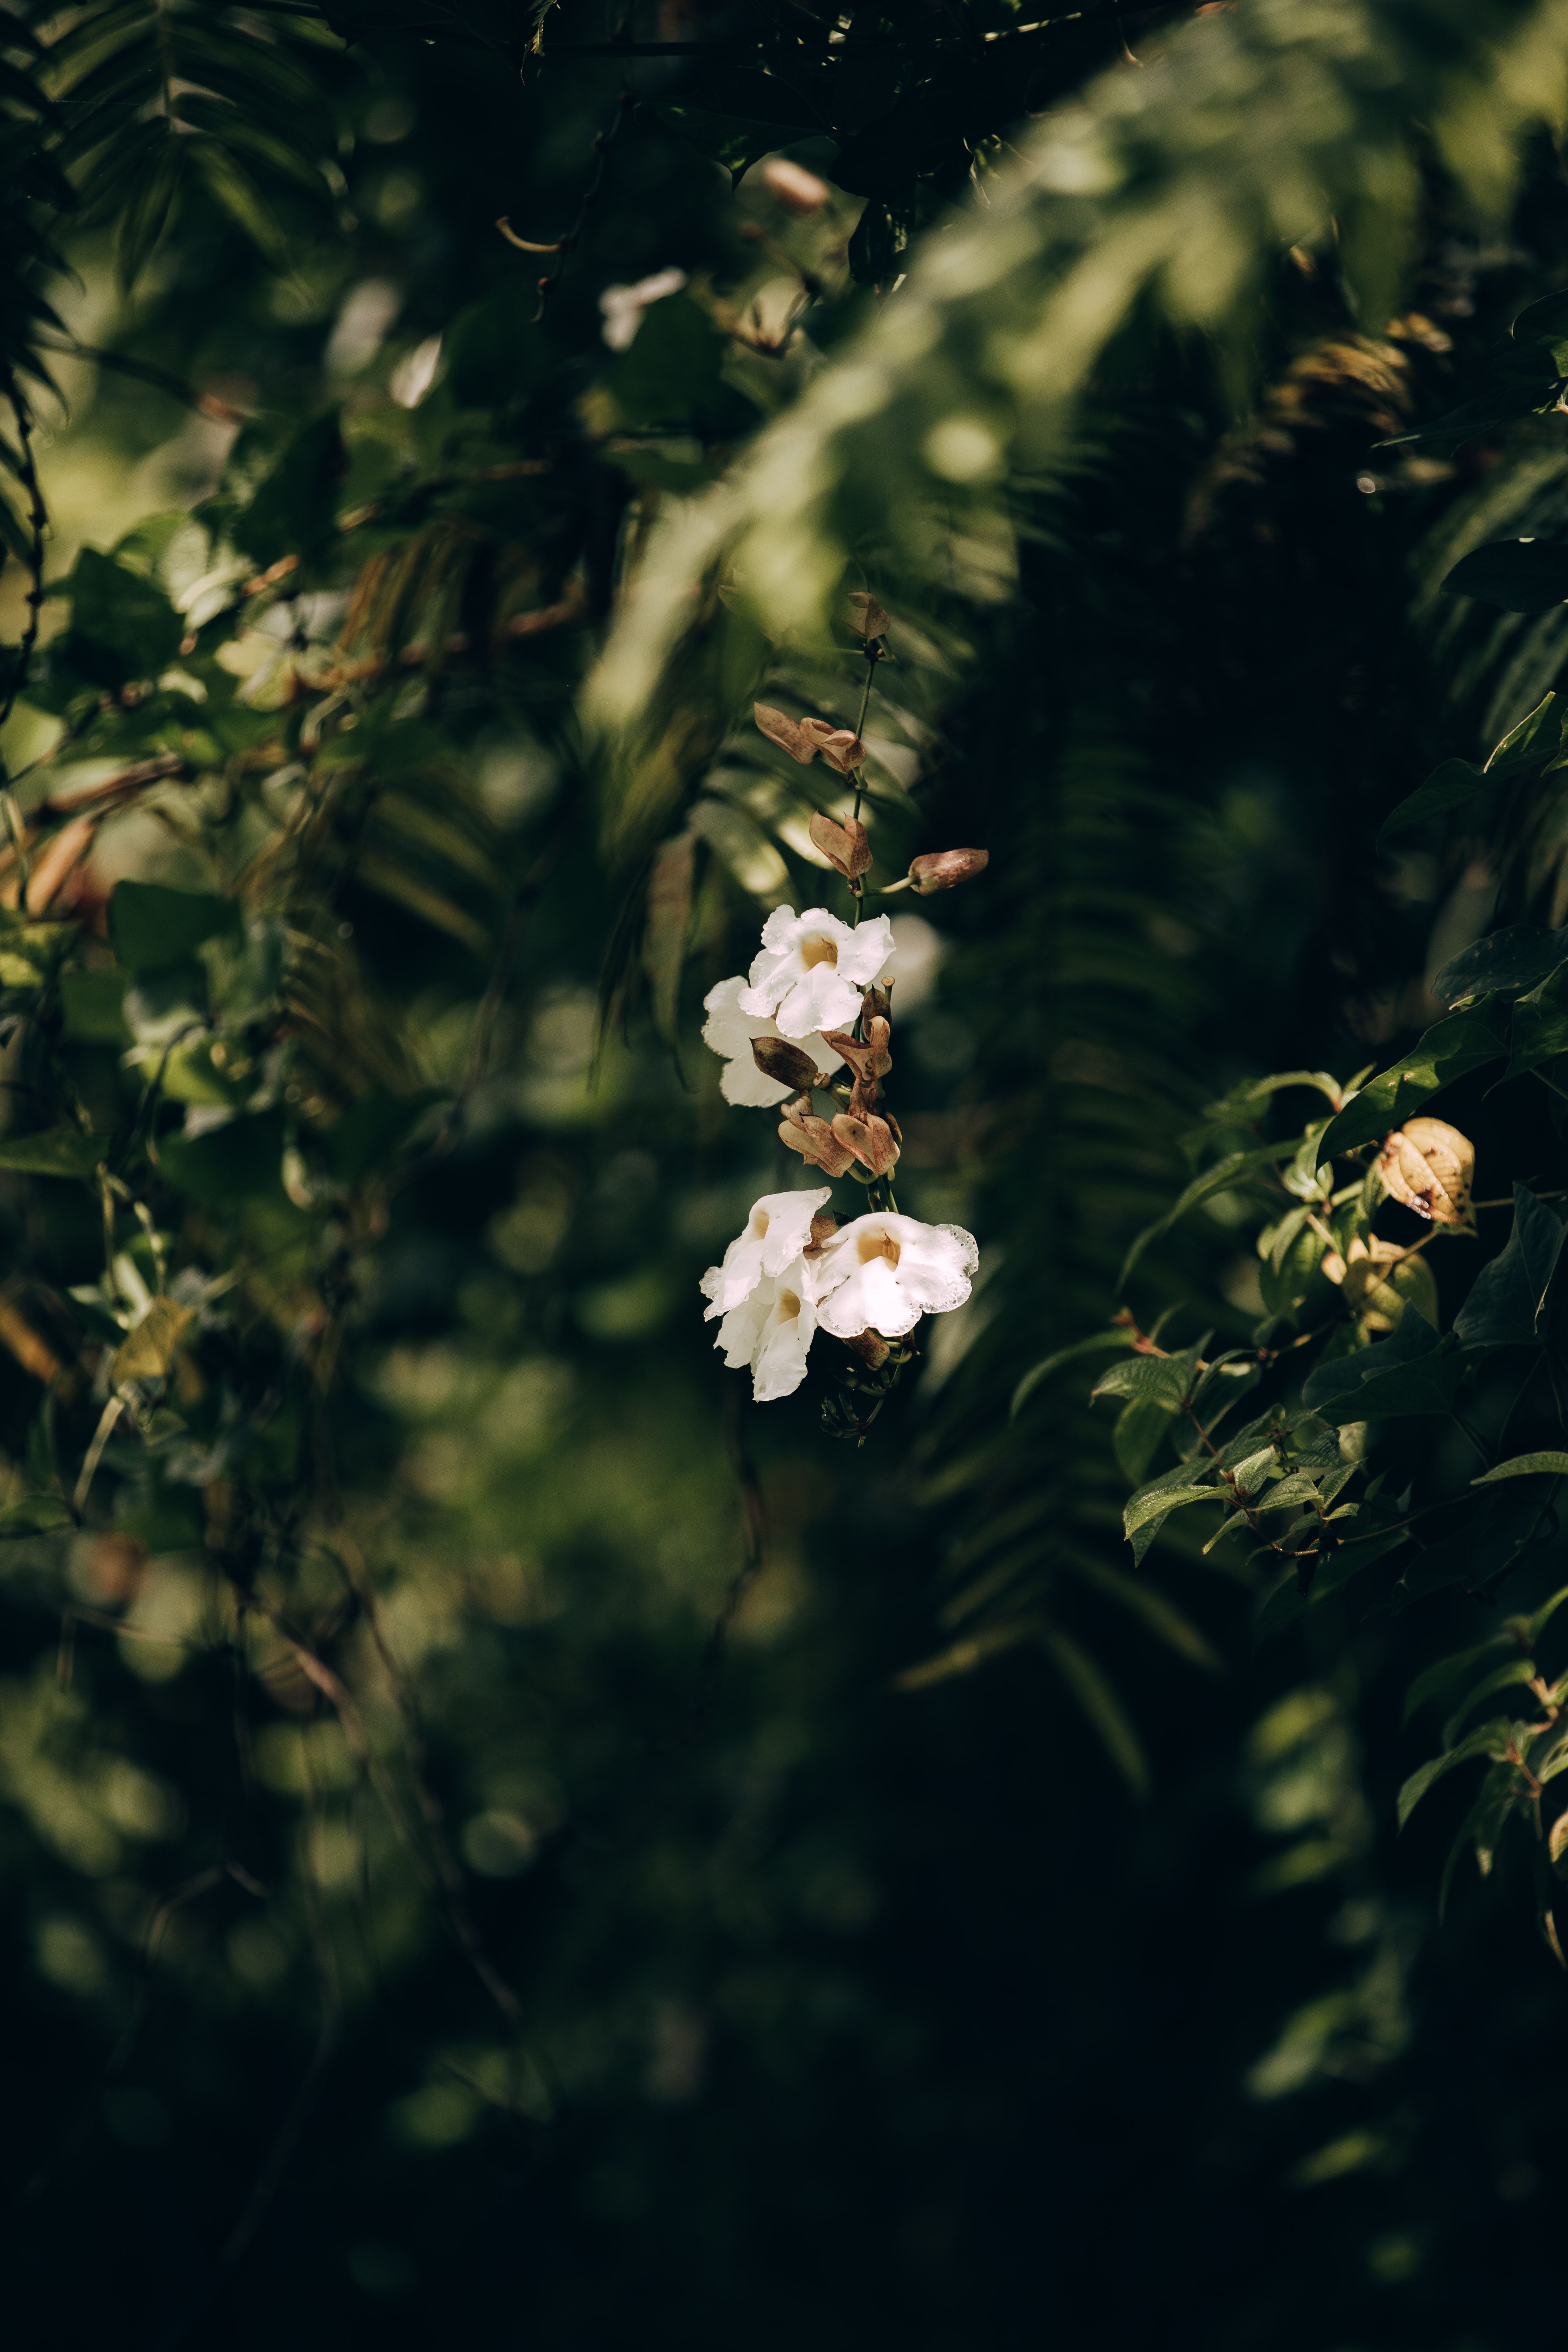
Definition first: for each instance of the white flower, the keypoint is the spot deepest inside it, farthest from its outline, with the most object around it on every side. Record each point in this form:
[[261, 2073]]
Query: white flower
[[775, 1233], [882, 1273], [623, 306], [771, 1329], [730, 1032], [812, 968]]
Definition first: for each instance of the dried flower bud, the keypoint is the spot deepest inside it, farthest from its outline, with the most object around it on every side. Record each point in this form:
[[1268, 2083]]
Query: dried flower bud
[[872, 1347], [877, 1000], [870, 1139], [868, 1060], [942, 869], [839, 746], [844, 846], [1428, 1166], [824, 1225], [786, 732], [790, 185], [867, 617], [778, 1059], [813, 1139]]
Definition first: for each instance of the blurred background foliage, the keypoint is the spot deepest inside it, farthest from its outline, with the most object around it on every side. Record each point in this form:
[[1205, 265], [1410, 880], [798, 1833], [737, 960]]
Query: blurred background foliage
[[446, 1891]]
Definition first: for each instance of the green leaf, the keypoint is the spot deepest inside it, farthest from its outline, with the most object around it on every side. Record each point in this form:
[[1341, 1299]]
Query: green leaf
[[1515, 958], [1478, 1832], [673, 367], [293, 512], [35, 1515], [154, 928], [1148, 1506], [1541, 1025], [1485, 1741], [94, 1003], [1102, 1706], [239, 1161], [1526, 1465], [54, 1151], [1521, 575], [1165, 1379], [1096, 1341], [668, 921], [1507, 1304], [1435, 1680], [1462, 1042], [1411, 1372], [1141, 1426], [122, 627], [149, 1351], [1536, 739], [1448, 787], [1221, 1178], [1508, 1676], [1502, 1530]]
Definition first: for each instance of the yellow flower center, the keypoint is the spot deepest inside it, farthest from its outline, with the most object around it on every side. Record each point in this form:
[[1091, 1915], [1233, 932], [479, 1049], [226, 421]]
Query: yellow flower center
[[818, 951], [877, 1245]]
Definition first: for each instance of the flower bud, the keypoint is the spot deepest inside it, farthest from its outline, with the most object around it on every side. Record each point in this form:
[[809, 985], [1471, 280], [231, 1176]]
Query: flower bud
[[942, 869], [790, 185], [844, 846], [867, 617], [778, 1059], [868, 1060], [824, 1225], [872, 1347], [1429, 1165], [786, 732], [877, 1002], [871, 1140], [839, 746], [813, 1139]]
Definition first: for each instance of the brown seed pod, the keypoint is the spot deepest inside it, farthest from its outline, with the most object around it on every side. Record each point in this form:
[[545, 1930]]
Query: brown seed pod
[[844, 846], [786, 732], [871, 1140], [839, 746], [870, 1060], [785, 1064], [944, 869], [813, 1139], [1428, 1166]]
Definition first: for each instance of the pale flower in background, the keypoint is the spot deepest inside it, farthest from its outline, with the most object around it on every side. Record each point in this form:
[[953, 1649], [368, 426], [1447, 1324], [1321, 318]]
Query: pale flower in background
[[812, 968], [777, 1231], [771, 1329], [729, 1032], [623, 306], [882, 1273]]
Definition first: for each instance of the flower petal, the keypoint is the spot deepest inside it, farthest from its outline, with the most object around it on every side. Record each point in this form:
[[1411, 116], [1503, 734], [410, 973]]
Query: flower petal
[[867, 951], [819, 999], [871, 1299], [936, 1264]]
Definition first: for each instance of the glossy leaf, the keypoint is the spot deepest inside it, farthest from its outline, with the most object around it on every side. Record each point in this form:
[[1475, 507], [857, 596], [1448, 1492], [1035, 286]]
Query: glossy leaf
[[1451, 787], [1411, 1372], [1463, 1042], [1521, 575], [1488, 1741], [1507, 1298]]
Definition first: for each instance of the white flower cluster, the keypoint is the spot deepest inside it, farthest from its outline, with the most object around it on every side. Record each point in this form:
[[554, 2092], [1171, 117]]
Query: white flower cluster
[[879, 1272], [793, 1269]]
